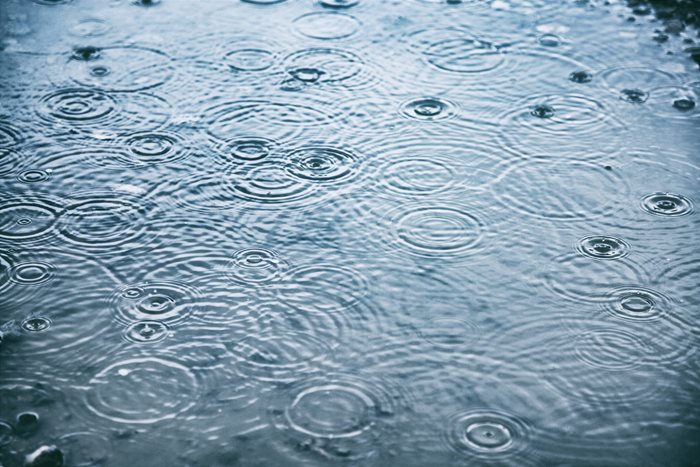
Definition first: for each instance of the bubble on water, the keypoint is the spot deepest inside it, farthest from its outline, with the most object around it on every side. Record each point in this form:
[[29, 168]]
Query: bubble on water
[[634, 96], [429, 108], [105, 221], [280, 358], [339, 3], [142, 332], [28, 218], [33, 176], [603, 247], [129, 68], [667, 204], [326, 25], [142, 391], [549, 40], [145, 3], [581, 77], [26, 424], [487, 434], [31, 273], [684, 104], [168, 302], [36, 324]]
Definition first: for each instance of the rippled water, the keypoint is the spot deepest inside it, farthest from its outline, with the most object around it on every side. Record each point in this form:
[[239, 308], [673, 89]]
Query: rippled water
[[348, 232]]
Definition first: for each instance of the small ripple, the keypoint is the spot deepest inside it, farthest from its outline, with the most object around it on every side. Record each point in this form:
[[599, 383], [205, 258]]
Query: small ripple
[[335, 416], [323, 287], [169, 302], [610, 348], [28, 218], [667, 204], [263, 2], [642, 78], [142, 391], [681, 278], [674, 102], [121, 69], [245, 149], [575, 277], [146, 332], [104, 221], [156, 147], [556, 189], [36, 324], [256, 265], [10, 136], [339, 3], [326, 25], [77, 105], [31, 273], [280, 358], [429, 108], [90, 27], [33, 176], [487, 434], [276, 119], [331, 66], [250, 59], [322, 164], [603, 247]]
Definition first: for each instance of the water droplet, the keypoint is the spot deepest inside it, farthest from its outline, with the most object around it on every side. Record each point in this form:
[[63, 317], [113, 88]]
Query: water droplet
[[339, 3], [549, 40], [167, 302], [581, 77], [542, 111], [86, 53], [635, 96], [36, 324], [99, 71], [146, 332], [684, 104], [428, 108], [307, 75]]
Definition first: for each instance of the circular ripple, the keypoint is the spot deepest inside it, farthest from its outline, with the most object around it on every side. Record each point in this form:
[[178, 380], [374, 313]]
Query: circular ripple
[[667, 204], [610, 348], [122, 69], [326, 65], [560, 190], [575, 277], [603, 247], [280, 120], [156, 147], [31, 273], [77, 105], [101, 221], [89, 27], [33, 176], [323, 287], [10, 136], [142, 391], [418, 176], [322, 164], [256, 265], [246, 149], [429, 108], [636, 304], [326, 26], [642, 78], [269, 184], [336, 416], [6, 432], [283, 358], [339, 3], [435, 230], [27, 218], [168, 302], [142, 332], [250, 59], [487, 434], [448, 332]]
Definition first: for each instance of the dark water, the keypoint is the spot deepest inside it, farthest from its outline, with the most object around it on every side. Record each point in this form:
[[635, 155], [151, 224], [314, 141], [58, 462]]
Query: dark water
[[359, 232]]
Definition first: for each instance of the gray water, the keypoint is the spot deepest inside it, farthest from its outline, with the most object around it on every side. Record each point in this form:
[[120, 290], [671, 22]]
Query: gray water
[[360, 232]]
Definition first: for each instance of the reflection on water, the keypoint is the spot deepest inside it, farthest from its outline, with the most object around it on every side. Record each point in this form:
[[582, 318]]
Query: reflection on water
[[348, 232]]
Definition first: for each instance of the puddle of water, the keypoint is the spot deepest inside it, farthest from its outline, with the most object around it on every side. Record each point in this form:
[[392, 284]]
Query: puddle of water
[[348, 232]]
